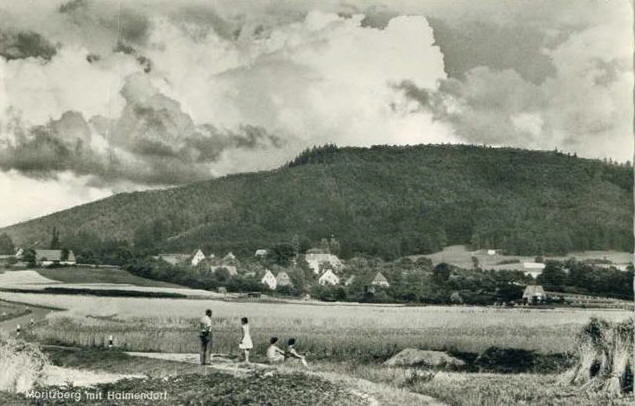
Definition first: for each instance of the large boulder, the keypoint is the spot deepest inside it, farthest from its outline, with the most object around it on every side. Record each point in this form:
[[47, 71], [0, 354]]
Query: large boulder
[[411, 357]]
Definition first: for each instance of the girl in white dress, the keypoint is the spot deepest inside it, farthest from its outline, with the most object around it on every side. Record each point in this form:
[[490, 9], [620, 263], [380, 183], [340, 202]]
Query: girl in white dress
[[245, 343]]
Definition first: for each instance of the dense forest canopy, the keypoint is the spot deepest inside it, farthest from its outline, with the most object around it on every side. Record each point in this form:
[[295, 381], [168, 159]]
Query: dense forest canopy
[[387, 201]]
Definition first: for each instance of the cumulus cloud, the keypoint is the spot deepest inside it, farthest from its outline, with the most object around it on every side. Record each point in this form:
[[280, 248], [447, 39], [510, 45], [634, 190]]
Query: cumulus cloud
[[151, 142], [585, 106], [210, 94]]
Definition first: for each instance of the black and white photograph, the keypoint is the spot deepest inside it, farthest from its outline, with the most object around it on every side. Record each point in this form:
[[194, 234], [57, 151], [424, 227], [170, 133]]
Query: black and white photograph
[[317, 202]]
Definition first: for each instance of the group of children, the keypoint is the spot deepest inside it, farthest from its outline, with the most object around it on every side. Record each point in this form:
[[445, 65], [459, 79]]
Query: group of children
[[274, 353]]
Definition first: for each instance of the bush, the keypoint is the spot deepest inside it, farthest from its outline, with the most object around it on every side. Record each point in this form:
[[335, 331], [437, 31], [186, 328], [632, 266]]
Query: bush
[[506, 360]]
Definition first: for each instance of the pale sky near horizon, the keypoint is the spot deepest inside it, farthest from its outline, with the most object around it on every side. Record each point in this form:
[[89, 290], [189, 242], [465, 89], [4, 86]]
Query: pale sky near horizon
[[99, 97]]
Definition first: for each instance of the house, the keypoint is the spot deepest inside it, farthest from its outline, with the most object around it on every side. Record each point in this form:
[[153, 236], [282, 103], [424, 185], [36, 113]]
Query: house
[[173, 259], [534, 294], [533, 268], [231, 269], [19, 253], [50, 257], [491, 252], [283, 279], [534, 265], [269, 280], [380, 280], [261, 253], [230, 257], [350, 280], [314, 259], [197, 257], [329, 277]]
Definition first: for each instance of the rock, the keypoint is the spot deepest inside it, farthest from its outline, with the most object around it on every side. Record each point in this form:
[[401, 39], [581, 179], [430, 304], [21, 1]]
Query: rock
[[412, 357]]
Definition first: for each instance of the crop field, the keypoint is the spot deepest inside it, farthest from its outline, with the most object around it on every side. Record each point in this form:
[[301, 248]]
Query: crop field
[[329, 331]]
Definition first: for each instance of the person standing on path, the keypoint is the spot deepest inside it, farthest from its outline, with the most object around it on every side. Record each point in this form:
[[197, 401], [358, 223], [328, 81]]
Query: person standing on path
[[245, 343], [206, 336]]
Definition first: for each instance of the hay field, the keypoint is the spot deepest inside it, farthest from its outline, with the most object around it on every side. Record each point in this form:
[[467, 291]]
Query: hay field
[[335, 331]]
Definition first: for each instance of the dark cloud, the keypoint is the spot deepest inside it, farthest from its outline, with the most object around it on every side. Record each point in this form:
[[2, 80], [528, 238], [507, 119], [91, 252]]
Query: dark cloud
[[25, 44], [122, 47], [71, 6], [153, 142], [483, 43]]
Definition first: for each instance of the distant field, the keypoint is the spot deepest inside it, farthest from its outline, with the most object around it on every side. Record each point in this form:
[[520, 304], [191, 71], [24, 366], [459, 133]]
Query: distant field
[[334, 331], [100, 275], [459, 255]]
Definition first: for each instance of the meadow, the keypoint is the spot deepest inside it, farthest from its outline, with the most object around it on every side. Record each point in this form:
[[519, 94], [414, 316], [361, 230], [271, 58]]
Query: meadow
[[325, 331]]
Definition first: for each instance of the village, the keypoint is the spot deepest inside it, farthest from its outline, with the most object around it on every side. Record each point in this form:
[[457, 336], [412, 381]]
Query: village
[[485, 277]]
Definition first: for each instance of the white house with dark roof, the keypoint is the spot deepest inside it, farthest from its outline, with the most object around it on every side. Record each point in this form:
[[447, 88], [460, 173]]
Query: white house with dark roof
[[269, 280], [329, 278], [534, 293], [197, 257], [50, 257], [380, 280]]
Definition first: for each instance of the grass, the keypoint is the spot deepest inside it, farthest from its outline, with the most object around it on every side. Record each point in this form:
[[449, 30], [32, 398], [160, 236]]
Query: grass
[[100, 275], [478, 389], [8, 311]]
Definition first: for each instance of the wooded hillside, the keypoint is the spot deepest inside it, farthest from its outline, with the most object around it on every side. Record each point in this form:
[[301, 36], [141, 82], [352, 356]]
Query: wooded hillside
[[386, 201]]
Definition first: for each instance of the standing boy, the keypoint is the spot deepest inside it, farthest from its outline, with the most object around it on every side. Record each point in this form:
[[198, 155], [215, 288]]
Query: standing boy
[[206, 336]]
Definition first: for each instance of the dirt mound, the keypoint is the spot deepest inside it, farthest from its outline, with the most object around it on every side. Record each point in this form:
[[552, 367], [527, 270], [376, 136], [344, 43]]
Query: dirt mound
[[411, 357]]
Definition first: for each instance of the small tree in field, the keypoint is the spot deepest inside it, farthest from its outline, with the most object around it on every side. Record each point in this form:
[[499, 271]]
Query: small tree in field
[[6, 245]]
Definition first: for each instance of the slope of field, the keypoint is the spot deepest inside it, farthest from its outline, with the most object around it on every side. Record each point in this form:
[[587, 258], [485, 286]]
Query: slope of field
[[388, 201], [90, 279], [81, 275]]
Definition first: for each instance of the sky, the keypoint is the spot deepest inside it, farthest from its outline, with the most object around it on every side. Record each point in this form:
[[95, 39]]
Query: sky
[[102, 97]]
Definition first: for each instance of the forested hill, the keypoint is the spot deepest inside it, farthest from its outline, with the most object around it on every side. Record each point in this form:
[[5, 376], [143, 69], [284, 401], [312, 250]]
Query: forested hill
[[387, 201]]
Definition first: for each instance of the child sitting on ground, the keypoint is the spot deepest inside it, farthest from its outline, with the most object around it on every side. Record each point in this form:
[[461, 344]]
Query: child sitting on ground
[[274, 354], [292, 353]]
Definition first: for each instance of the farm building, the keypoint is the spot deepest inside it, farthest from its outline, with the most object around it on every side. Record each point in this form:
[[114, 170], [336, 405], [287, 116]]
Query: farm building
[[50, 257], [269, 280], [350, 280], [283, 279], [534, 294], [230, 257], [173, 259], [231, 269], [197, 257], [380, 280], [261, 253], [329, 278], [315, 259]]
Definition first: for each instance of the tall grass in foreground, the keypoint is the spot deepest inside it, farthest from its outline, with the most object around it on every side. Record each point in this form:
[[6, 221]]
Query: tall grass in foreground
[[21, 365]]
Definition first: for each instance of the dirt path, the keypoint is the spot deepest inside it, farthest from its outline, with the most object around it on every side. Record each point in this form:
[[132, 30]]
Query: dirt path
[[375, 394], [37, 314]]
